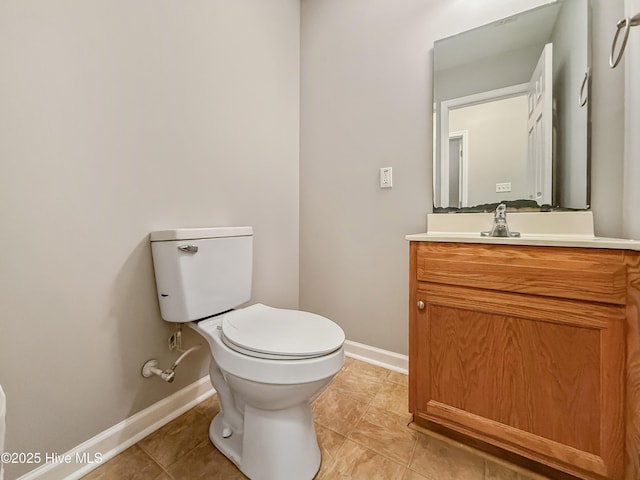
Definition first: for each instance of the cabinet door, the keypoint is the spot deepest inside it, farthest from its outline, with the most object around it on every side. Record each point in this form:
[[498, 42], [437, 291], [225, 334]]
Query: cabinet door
[[542, 377]]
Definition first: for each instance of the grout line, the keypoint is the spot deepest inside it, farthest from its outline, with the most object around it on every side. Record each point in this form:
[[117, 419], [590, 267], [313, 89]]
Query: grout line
[[162, 467], [369, 447], [413, 451], [165, 471], [386, 455], [377, 452]]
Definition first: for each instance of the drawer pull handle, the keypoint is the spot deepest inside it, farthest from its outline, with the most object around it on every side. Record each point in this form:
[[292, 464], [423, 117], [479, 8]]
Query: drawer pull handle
[[420, 304]]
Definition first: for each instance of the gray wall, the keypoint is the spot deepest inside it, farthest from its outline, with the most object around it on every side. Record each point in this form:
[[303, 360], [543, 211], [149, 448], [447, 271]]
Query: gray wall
[[631, 199], [366, 81], [118, 118]]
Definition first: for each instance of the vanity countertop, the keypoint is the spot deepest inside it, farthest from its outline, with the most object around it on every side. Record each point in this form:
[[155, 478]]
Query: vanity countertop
[[539, 240], [551, 229]]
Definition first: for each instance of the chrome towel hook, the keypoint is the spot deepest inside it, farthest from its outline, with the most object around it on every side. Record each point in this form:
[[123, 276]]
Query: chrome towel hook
[[625, 23]]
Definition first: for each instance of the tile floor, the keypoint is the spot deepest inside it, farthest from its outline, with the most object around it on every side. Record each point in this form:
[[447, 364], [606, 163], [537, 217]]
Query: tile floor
[[361, 420]]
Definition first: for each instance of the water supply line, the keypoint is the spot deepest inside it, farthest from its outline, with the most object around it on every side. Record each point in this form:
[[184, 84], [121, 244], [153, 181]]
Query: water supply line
[[150, 368]]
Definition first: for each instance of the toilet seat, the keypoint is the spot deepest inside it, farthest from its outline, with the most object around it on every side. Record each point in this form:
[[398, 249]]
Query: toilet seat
[[279, 334]]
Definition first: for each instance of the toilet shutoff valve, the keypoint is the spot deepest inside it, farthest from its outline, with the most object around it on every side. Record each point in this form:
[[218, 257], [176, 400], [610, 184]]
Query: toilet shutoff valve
[[175, 340]]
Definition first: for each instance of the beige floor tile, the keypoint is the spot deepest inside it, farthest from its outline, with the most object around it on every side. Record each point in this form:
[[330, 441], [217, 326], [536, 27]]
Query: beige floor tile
[[411, 475], [399, 378], [357, 385], [393, 397], [177, 438], [330, 443], [338, 410], [387, 434], [494, 471], [205, 462], [438, 460], [348, 361], [356, 462], [363, 369], [209, 408], [132, 464]]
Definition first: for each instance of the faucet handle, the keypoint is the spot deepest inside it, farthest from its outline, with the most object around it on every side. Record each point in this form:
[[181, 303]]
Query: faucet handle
[[501, 211], [500, 227]]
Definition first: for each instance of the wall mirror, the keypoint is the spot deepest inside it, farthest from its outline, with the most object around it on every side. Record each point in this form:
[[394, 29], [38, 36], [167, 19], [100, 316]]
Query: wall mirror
[[511, 112]]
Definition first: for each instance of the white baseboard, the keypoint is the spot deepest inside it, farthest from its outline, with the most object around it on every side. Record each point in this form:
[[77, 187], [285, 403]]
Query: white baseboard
[[376, 356], [77, 462], [108, 444]]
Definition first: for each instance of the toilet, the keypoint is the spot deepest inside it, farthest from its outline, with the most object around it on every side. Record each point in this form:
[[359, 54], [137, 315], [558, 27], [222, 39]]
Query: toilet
[[267, 364]]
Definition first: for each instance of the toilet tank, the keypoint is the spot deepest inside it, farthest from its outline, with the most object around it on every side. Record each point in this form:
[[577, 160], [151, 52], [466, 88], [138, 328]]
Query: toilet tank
[[201, 272]]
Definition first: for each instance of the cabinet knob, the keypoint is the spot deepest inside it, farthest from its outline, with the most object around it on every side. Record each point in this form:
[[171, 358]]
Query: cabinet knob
[[420, 304]]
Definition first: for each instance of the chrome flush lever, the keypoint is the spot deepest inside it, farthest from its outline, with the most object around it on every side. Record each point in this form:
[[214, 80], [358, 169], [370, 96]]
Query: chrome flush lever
[[188, 248]]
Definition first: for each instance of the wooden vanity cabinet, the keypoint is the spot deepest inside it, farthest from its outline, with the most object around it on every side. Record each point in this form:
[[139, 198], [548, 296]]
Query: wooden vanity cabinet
[[531, 349]]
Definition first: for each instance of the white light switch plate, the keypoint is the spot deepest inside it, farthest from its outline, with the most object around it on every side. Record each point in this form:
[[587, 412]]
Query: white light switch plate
[[386, 179]]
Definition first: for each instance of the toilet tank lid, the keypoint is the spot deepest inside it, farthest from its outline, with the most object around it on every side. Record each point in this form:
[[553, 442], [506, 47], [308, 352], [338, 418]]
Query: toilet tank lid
[[200, 233]]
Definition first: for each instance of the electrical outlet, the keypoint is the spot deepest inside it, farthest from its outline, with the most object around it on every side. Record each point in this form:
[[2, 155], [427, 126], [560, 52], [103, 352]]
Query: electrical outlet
[[386, 179], [503, 187]]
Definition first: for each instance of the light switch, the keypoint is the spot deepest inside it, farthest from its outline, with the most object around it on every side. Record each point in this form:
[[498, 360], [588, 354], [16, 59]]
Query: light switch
[[386, 179]]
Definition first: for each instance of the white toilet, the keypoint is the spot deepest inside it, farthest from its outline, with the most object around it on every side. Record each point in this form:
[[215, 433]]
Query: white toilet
[[267, 364]]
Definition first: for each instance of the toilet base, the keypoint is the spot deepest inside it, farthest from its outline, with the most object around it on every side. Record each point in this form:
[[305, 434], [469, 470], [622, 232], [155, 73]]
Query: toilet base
[[275, 444], [230, 447]]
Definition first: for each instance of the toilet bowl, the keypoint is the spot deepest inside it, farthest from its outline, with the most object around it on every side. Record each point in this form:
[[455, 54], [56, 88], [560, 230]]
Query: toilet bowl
[[266, 421], [267, 364]]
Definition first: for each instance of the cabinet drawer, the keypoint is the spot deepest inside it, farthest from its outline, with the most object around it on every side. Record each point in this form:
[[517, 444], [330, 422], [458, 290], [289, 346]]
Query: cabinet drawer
[[574, 273]]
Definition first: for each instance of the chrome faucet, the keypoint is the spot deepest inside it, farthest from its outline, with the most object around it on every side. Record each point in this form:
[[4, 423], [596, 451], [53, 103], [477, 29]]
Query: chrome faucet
[[500, 227]]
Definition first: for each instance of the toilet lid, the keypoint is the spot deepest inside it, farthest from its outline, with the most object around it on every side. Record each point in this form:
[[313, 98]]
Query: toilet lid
[[269, 332]]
